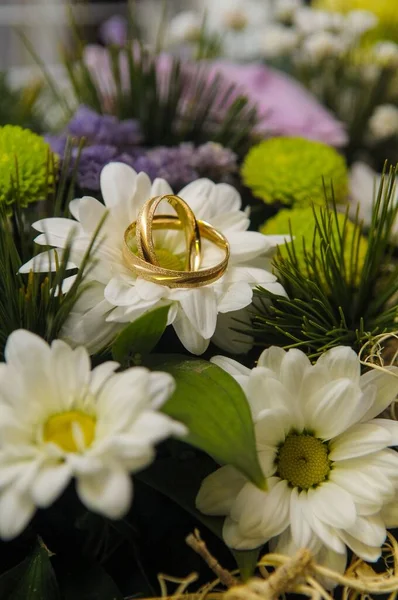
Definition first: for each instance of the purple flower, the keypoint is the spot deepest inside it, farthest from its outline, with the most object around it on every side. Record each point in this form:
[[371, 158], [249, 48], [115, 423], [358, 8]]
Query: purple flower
[[114, 31], [104, 129]]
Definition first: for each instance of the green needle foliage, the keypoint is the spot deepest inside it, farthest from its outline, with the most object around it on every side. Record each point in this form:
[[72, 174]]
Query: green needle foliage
[[37, 301], [331, 302], [173, 101]]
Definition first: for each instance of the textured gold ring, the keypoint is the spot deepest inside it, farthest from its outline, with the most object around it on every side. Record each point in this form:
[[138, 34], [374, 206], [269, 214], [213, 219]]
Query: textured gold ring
[[169, 277], [144, 237]]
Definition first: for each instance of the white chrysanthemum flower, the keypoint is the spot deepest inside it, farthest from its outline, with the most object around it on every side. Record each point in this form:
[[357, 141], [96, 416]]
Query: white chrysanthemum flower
[[239, 24], [384, 122], [358, 22], [117, 296], [284, 10], [364, 183], [322, 45], [326, 457], [309, 21], [60, 420], [278, 41], [386, 54], [186, 27]]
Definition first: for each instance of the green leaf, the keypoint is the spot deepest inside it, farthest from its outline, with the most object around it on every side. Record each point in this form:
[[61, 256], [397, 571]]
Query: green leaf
[[215, 410], [180, 481], [89, 581], [33, 579], [141, 336]]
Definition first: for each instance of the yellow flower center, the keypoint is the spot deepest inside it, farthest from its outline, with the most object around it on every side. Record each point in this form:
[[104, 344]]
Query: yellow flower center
[[168, 260], [236, 20], [70, 430], [303, 461]]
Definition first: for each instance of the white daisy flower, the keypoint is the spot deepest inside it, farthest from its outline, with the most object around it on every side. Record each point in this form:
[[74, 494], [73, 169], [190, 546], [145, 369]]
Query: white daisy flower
[[186, 26], [60, 420], [117, 296], [384, 122], [239, 23], [326, 457]]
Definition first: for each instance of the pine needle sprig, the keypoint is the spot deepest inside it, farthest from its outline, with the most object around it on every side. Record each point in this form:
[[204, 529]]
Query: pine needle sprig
[[334, 300]]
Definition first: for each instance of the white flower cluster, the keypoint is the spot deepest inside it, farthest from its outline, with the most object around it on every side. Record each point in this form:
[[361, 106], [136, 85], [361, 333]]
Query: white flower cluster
[[250, 28], [384, 122]]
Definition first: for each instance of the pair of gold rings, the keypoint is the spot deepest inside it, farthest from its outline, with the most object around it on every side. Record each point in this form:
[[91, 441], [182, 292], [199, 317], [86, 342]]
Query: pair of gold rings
[[140, 253]]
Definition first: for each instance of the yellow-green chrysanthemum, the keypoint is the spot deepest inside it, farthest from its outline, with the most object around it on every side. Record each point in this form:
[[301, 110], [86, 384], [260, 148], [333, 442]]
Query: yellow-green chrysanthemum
[[24, 166], [302, 222], [291, 171], [385, 11]]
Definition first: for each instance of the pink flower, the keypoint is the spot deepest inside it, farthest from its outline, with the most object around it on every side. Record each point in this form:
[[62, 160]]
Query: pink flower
[[285, 106]]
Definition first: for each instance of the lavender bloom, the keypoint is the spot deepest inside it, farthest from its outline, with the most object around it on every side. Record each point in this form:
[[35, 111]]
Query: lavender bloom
[[104, 129], [180, 165], [114, 31], [109, 140]]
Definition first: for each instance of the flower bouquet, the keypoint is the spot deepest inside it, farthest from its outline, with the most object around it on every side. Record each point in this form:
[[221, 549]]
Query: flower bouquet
[[198, 316]]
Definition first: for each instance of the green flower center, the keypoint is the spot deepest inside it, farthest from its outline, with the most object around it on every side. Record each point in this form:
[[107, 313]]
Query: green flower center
[[168, 260], [62, 430], [303, 461]]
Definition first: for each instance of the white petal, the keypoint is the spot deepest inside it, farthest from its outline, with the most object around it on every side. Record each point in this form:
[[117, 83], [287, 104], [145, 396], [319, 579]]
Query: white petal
[[391, 426], [302, 534], [161, 387], [108, 492], [333, 408], [121, 293], [147, 290], [49, 484], [200, 307], [332, 505], [293, 367], [45, 262], [219, 490], [152, 427], [160, 187], [237, 296], [272, 359], [246, 245], [386, 384], [234, 538], [389, 514], [364, 551], [58, 229], [227, 338], [326, 533], [118, 183], [364, 485], [262, 514], [360, 440], [72, 370], [188, 336], [91, 213], [16, 510], [272, 426], [341, 362], [101, 374], [232, 221], [370, 530]]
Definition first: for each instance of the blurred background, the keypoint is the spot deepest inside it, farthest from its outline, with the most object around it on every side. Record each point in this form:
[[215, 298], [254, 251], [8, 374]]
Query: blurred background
[[45, 24]]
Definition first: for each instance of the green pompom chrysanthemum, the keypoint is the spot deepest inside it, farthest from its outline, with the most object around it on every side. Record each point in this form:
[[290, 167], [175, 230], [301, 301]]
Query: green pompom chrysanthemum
[[26, 169], [301, 222], [293, 171]]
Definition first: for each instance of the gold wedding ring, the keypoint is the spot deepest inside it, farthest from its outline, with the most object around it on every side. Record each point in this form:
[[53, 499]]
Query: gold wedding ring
[[144, 263], [144, 238]]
